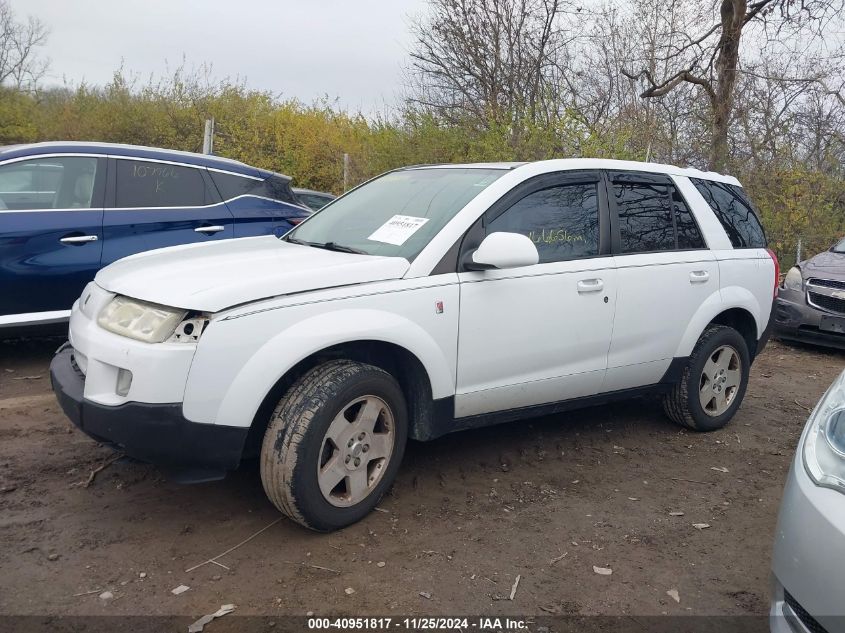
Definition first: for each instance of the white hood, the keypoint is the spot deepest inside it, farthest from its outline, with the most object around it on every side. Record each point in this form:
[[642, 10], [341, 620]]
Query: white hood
[[213, 276]]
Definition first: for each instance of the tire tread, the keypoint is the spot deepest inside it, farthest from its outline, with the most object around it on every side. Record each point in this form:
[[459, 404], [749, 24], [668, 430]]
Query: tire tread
[[288, 425], [676, 402]]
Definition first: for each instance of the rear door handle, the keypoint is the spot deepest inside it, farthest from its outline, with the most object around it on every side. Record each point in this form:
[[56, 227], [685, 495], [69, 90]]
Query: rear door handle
[[78, 239], [590, 285], [698, 276], [210, 229]]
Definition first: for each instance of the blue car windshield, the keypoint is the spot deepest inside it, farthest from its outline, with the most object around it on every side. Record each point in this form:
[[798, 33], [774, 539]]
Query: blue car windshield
[[396, 214]]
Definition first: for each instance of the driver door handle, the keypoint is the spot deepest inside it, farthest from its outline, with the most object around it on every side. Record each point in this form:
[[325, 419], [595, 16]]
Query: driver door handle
[[78, 239], [590, 285], [698, 276], [210, 229]]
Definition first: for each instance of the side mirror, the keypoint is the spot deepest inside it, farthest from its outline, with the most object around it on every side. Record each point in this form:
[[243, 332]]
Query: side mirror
[[503, 250]]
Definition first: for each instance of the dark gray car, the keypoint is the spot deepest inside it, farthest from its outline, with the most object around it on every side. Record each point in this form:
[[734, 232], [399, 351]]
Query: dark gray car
[[314, 200], [811, 302]]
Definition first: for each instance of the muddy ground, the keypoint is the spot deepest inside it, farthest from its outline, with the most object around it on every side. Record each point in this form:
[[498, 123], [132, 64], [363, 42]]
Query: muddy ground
[[546, 499]]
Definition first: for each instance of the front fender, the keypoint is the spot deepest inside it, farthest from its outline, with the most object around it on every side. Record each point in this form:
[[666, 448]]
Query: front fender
[[718, 302], [272, 360]]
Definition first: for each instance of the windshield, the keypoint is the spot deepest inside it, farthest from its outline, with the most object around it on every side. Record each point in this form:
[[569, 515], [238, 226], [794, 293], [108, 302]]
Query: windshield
[[839, 247], [396, 214]]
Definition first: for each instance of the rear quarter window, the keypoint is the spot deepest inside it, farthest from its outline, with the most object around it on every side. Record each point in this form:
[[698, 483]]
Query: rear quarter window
[[231, 186], [734, 211]]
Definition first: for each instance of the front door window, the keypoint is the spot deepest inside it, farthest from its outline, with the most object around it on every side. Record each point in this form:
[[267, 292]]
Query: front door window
[[562, 221], [62, 182]]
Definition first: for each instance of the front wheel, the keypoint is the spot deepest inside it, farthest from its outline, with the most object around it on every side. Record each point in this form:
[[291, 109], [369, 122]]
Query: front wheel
[[334, 444], [713, 382]]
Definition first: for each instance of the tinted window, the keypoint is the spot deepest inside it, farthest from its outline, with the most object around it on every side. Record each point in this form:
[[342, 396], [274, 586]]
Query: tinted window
[[563, 221], [645, 217], [149, 184], [277, 189], [232, 186], [689, 237], [314, 201], [63, 182], [734, 211]]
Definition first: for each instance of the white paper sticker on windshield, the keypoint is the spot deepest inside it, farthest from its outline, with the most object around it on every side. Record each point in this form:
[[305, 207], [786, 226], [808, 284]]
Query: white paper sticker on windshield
[[397, 229]]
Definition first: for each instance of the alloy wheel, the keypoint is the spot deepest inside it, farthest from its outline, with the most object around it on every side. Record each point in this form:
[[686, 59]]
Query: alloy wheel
[[356, 450], [720, 380]]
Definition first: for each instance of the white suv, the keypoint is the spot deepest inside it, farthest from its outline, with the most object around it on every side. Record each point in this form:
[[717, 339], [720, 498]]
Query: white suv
[[428, 300]]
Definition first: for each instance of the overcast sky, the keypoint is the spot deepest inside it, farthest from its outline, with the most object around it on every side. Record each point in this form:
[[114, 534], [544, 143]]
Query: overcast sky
[[350, 49]]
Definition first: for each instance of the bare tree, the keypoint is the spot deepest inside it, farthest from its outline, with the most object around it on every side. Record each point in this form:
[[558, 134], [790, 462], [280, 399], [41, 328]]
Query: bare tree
[[608, 103], [493, 61], [20, 67], [709, 57]]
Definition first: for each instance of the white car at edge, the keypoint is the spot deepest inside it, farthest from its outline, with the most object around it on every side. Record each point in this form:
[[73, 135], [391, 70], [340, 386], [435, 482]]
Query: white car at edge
[[428, 300]]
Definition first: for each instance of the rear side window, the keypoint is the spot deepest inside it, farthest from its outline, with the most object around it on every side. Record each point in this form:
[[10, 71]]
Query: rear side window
[[689, 237], [645, 217], [654, 217], [734, 211], [232, 186], [563, 221], [149, 185]]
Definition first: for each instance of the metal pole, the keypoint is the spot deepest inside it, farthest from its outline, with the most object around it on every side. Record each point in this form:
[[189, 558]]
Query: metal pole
[[798, 251], [208, 137], [345, 171]]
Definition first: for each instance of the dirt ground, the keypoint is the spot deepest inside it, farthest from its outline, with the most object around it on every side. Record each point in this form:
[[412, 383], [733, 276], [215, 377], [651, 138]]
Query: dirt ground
[[546, 499]]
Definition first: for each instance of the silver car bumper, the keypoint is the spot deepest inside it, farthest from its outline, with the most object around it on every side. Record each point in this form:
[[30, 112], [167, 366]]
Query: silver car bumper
[[808, 564]]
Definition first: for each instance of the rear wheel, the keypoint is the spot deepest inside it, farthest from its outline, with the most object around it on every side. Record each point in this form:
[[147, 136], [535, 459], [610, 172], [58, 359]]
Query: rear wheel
[[334, 444], [713, 382]]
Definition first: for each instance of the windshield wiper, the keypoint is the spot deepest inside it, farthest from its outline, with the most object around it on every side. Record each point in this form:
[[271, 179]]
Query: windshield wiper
[[334, 246], [329, 246]]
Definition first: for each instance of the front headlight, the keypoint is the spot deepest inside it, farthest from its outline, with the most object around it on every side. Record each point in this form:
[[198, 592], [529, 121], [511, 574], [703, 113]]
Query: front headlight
[[793, 279], [140, 320], [824, 442]]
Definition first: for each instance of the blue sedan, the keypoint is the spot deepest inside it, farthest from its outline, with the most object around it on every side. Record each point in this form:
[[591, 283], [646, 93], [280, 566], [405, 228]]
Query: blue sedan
[[68, 209]]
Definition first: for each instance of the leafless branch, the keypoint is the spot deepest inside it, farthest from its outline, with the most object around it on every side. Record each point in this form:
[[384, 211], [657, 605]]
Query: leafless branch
[[19, 41]]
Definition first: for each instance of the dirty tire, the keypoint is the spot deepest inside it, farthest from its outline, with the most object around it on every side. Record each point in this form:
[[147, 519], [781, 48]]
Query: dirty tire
[[682, 404], [293, 442]]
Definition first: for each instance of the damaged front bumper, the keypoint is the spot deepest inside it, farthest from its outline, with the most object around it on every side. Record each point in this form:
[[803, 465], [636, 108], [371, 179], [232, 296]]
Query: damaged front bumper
[[150, 432]]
